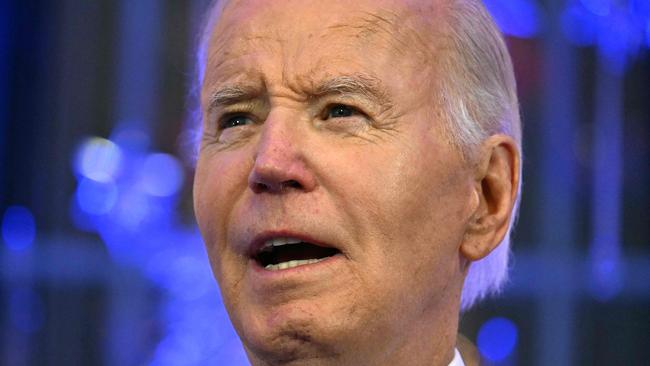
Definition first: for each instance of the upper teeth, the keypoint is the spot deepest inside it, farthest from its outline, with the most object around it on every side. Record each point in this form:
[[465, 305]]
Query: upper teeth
[[276, 242]]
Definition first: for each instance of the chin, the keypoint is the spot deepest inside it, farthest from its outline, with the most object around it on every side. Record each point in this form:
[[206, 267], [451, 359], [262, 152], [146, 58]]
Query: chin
[[291, 335]]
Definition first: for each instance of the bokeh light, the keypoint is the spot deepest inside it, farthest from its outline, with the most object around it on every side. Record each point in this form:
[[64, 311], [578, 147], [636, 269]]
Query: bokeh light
[[518, 18], [618, 29], [579, 26], [96, 198], [18, 228], [98, 159], [606, 279], [131, 137], [641, 7], [80, 219], [598, 7], [497, 339], [162, 175], [132, 210], [177, 349]]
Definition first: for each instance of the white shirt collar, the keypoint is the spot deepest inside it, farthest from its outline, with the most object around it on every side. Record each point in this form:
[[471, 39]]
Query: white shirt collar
[[458, 360]]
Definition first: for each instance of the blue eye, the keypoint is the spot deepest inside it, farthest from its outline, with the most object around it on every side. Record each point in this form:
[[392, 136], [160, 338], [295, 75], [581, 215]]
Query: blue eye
[[234, 121], [340, 111]]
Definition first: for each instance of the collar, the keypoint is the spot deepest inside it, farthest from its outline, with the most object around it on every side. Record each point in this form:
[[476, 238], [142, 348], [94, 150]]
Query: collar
[[458, 360]]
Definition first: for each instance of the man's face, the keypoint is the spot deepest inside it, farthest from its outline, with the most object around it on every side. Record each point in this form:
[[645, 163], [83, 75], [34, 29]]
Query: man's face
[[319, 127]]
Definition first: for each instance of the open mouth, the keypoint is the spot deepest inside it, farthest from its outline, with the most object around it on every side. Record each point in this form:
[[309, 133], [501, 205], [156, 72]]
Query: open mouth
[[283, 253]]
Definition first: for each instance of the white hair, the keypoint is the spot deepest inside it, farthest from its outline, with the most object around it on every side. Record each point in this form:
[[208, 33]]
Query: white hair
[[479, 98], [478, 95]]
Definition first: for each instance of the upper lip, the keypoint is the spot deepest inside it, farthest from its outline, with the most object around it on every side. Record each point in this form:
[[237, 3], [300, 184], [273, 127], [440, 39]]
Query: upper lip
[[260, 240]]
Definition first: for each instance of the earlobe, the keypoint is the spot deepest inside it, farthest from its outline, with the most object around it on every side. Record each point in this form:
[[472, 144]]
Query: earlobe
[[496, 185]]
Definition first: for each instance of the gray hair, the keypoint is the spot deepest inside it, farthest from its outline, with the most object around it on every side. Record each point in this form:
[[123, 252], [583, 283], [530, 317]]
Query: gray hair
[[478, 95]]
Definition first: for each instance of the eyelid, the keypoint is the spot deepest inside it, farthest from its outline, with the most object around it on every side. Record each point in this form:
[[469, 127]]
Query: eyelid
[[356, 109], [223, 113], [225, 117]]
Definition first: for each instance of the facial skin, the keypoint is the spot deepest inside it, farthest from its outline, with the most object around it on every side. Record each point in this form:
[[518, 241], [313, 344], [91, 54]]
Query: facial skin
[[319, 124]]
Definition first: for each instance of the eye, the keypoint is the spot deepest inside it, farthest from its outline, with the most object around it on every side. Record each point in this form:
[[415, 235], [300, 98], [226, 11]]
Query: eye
[[340, 111], [229, 121]]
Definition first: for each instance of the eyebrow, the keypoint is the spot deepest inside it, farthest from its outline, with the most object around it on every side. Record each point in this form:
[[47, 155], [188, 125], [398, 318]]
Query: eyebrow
[[365, 85], [232, 94]]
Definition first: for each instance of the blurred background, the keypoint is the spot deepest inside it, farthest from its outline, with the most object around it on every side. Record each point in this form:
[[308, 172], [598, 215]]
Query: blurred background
[[100, 259]]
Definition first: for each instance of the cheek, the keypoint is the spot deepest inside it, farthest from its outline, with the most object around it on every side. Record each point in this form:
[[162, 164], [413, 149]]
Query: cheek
[[401, 191], [420, 235], [407, 205], [218, 182]]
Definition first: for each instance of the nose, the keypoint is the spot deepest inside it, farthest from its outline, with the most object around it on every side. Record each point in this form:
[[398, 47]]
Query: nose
[[280, 164]]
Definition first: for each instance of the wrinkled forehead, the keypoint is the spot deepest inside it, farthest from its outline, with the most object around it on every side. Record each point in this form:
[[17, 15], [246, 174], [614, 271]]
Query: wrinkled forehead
[[285, 15], [403, 27]]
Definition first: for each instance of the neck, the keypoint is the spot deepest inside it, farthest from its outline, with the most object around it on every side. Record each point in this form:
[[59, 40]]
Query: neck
[[426, 348], [429, 339]]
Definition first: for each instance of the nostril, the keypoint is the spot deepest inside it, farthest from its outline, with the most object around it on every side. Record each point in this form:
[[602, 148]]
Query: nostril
[[292, 184], [259, 187]]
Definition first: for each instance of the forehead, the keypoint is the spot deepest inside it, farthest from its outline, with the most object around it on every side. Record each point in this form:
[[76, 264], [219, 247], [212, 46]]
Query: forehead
[[287, 16], [316, 35], [313, 15]]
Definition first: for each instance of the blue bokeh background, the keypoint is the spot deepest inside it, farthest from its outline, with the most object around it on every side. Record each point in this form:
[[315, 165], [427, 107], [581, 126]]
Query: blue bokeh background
[[102, 263]]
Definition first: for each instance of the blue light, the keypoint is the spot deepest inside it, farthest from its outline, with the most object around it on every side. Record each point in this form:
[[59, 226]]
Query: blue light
[[132, 210], [615, 43], [98, 159], [18, 228], [162, 266], [96, 198], [580, 26], [26, 310], [497, 339], [233, 352], [177, 349], [598, 7], [131, 138], [190, 274], [162, 175], [617, 28], [80, 219], [607, 278], [641, 8], [519, 18]]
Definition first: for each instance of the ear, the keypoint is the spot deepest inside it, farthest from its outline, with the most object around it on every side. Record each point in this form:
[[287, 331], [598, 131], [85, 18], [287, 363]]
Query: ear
[[496, 188]]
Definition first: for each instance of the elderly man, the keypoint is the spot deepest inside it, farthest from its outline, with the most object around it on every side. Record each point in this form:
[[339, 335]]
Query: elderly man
[[358, 171]]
